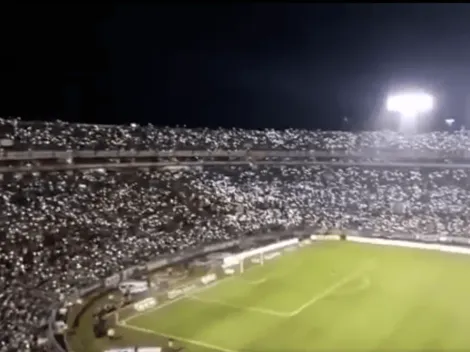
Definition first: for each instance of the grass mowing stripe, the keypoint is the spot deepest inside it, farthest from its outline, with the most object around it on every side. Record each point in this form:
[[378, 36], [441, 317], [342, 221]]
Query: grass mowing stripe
[[179, 338]]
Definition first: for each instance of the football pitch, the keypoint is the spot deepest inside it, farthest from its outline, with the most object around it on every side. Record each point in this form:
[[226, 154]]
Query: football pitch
[[329, 296]]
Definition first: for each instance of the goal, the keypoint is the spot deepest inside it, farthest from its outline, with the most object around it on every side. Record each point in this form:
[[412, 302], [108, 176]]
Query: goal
[[239, 263]]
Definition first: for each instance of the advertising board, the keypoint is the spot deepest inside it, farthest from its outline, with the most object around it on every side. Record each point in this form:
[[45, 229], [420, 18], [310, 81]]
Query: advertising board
[[208, 279], [267, 256], [112, 281], [145, 304], [135, 349], [180, 291]]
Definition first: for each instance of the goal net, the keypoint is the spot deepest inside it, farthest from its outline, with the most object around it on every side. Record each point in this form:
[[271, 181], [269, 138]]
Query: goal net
[[248, 261]]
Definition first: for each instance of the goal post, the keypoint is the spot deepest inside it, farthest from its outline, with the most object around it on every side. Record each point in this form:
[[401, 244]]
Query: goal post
[[231, 265], [242, 261], [240, 265], [247, 262]]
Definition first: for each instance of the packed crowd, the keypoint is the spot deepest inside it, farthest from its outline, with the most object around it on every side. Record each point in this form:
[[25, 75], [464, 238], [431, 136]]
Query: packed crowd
[[65, 230], [62, 135]]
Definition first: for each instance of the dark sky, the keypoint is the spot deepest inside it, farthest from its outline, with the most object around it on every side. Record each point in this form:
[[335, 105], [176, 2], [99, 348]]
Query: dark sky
[[246, 65]]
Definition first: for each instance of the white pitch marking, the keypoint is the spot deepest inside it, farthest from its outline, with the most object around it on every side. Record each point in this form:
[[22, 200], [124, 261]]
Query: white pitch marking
[[158, 307], [180, 298], [204, 288], [328, 291], [179, 338], [245, 308], [254, 282]]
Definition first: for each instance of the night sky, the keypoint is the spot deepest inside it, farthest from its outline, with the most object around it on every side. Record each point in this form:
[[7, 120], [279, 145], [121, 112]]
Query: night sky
[[244, 65]]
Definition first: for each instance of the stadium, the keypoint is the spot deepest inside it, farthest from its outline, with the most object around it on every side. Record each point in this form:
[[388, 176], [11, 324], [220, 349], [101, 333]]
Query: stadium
[[137, 238]]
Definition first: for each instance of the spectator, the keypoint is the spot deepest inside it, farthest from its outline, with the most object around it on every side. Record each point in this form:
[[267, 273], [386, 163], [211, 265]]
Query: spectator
[[62, 135], [65, 230]]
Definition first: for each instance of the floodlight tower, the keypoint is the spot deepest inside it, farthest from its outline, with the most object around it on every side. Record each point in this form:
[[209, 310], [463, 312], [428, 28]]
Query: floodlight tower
[[410, 106]]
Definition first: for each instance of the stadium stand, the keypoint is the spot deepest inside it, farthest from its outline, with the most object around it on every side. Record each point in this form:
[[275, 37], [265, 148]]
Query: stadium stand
[[63, 135], [64, 230]]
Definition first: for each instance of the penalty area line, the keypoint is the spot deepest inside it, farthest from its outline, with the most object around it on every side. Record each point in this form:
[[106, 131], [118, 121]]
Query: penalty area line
[[158, 307], [178, 338], [253, 282], [328, 291], [170, 302], [242, 308]]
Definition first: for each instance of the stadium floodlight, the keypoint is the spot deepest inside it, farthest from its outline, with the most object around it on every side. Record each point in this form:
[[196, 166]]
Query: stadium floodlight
[[449, 122], [410, 105]]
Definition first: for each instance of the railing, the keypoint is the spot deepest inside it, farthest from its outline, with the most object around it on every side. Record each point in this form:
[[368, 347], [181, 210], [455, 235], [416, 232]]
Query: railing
[[135, 165], [369, 153]]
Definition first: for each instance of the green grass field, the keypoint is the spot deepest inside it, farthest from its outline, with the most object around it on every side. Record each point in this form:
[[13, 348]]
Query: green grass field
[[328, 296]]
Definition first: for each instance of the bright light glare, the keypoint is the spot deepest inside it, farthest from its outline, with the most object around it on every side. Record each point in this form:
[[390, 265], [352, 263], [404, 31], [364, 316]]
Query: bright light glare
[[410, 104]]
